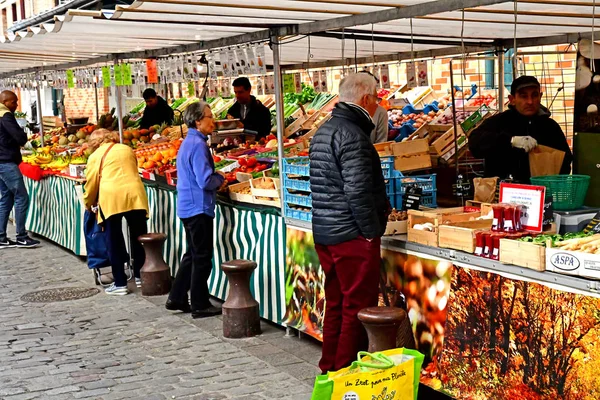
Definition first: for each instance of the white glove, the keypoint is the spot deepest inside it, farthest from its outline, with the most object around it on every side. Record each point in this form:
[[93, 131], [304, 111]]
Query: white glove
[[526, 143]]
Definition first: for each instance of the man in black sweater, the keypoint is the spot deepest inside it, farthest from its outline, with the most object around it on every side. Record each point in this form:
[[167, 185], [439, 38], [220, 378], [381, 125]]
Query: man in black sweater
[[349, 217], [251, 112], [505, 140], [12, 188], [157, 111]]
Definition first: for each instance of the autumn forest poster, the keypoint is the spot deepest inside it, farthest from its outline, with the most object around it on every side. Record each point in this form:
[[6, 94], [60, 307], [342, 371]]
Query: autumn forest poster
[[510, 339]]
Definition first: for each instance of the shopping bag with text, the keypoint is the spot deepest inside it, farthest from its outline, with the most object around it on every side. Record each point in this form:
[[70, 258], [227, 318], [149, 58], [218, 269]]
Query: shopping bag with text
[[388, 375]]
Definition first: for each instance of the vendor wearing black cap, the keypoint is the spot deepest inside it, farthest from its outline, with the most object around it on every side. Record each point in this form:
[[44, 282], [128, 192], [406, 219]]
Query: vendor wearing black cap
[[505, 140]]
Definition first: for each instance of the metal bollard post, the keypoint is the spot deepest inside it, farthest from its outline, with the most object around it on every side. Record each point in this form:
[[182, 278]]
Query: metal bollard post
[[382, 325], [155, 274], [241, 314]]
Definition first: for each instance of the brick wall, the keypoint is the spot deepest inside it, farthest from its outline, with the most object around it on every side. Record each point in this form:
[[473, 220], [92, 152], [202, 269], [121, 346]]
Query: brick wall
[[82, 103]]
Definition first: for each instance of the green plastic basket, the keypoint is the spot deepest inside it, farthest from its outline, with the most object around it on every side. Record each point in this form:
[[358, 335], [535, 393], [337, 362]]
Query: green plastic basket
[[568, 191]]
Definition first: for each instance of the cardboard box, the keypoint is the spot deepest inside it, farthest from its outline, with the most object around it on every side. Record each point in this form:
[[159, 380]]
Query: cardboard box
[[523, 254], [573, 263], [461, 235], [396, 228]]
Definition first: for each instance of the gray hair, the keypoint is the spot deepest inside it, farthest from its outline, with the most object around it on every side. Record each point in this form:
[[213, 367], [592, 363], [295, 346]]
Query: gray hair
[[194, 112], [354, 86]]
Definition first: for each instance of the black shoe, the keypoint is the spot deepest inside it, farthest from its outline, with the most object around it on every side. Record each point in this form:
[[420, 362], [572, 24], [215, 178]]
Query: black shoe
[[27, 242], [207, 312], [176, 306], [7, 243]]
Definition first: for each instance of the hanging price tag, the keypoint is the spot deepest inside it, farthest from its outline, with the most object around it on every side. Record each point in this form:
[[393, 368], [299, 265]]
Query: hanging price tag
[[298, 82], [126, 71], [423, 79], [260, 59], [269, 84], [288, 83], [226, 88], [119, 75], [323, 77], [316, 81], [385, 76], [212, 88], [251, 58], [260, 85], [191, 88], [411, 75], [106, 79], [70, 79]]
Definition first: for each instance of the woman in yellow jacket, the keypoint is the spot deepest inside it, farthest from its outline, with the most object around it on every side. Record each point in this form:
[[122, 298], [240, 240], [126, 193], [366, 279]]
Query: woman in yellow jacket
[[114, 186]]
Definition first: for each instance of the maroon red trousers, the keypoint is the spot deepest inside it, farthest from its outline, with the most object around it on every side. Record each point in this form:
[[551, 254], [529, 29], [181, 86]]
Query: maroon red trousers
[[351, 284]]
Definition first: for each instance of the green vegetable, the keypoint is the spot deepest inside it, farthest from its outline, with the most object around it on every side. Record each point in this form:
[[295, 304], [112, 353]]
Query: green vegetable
[[178, 102], [138, 108]]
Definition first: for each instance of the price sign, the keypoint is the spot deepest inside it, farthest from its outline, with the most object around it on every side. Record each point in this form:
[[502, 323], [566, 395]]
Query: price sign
[[316, 77], [532, 197], [412, 198], [594, 225], [119, 75], [191, 88], [70, 79], [548, 211], [106, 78], [298, 82], [411, 75], [288, 84], [423, 79], [384, 76], [126, 72]]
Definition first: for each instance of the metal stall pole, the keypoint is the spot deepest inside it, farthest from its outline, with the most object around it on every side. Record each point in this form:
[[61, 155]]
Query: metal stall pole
[[278, 102], [500, 80], [119, 106], [39, 112], [454, 122]]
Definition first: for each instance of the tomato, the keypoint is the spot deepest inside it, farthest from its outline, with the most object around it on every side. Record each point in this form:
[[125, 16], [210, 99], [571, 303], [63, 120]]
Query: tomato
[[243, 162], [251, 161]]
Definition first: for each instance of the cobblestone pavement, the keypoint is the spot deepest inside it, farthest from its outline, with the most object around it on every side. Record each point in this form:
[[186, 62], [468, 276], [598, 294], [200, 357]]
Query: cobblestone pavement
[[130, 347]]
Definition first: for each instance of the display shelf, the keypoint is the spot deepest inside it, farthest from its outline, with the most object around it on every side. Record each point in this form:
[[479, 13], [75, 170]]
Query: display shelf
[[466, 260]]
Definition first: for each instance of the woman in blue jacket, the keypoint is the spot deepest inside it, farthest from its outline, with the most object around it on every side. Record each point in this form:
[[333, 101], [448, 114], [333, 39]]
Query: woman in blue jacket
[[197, 185]]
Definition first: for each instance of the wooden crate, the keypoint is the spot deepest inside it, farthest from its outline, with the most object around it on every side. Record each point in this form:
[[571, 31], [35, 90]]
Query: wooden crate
[[461, 235], [384, 149], [523, 254], [268, 201], [396, 228], [234, 193], [443, 143], [271, 193], [437, 217], [411, 155]]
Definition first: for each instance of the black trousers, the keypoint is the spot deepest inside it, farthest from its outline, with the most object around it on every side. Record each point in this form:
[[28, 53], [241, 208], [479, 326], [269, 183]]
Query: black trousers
[[196, 264], [117, 252]]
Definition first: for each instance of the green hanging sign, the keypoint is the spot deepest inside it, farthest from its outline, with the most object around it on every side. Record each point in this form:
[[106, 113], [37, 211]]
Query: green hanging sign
[[70, 79], [119, 75], [127, 79], [289, 85], [106, 79]]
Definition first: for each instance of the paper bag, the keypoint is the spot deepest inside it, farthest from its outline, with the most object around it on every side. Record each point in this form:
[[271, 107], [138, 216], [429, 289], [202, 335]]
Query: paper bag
[[485, 189], [544, 160]]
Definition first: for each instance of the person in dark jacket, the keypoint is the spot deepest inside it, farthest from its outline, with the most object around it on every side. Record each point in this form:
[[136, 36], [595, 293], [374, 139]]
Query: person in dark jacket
[[349, 217], [12, 188], [251, 112], [505, 140], [157, 111]]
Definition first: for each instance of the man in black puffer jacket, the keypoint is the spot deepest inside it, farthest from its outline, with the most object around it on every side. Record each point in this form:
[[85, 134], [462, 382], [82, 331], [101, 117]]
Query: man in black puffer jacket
[[349, 217]]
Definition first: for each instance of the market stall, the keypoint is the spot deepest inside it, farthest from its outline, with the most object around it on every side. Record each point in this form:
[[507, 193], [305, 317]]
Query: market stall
[[453, 296]]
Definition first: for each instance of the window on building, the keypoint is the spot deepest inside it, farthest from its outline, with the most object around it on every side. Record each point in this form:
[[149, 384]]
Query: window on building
[[15, 18], [22, 6], [4, 20]]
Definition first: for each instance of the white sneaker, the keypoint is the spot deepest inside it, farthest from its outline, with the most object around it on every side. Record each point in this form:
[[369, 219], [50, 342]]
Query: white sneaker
[[116, 290], [138, 282]]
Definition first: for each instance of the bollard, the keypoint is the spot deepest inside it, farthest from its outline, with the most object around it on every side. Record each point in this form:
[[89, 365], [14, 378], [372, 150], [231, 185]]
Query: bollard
[[381, 324], [241, 317], [155, 274]]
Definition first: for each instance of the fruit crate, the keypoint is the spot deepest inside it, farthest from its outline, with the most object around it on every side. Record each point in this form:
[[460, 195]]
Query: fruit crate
[[305, 216], [296, 166], [302, 184], [297, 199]]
